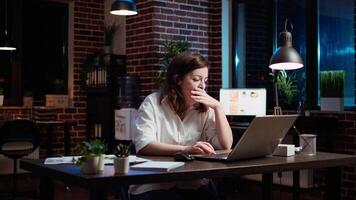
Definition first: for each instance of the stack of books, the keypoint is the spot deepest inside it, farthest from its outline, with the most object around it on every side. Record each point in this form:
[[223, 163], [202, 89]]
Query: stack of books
[[44, 114]]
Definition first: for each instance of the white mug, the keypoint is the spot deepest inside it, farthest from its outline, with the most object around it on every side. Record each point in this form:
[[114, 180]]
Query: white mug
[[308, 144]]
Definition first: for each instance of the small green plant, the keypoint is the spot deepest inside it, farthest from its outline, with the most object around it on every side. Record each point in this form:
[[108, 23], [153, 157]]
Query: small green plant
[[286, 86], [332, 83], [94, 147], [122, 150], [171, 49]]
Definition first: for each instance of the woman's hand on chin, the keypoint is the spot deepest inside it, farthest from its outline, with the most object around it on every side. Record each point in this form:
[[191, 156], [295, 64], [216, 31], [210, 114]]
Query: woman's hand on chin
[[200, 148], [199, 95]]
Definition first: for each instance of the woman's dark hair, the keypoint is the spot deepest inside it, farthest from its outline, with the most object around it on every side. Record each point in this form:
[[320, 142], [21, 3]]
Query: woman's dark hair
[[181, 65]]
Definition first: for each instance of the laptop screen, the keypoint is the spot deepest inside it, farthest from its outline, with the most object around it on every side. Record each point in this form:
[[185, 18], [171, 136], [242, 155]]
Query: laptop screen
[[243, 101]]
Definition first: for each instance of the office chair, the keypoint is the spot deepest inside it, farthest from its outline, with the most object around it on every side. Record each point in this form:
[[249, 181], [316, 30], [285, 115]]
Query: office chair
[[18, 138]]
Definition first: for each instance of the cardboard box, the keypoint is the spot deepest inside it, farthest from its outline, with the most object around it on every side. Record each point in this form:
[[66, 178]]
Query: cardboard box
[[57, 100]]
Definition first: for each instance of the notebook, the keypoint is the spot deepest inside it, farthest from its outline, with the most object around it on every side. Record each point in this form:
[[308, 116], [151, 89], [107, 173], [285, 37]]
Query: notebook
[[164, 166], [260, 139]]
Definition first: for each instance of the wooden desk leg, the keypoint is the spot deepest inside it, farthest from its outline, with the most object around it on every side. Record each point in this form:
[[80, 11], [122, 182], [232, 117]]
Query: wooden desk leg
[[333, 183], [296, 185], [66, 139], [267, 181], [46, 188], [97, 194]]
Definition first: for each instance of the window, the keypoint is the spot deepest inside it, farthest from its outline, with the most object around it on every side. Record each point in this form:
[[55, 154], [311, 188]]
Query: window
[[323, 33], [45, 33], [336, 42], [39, 65]]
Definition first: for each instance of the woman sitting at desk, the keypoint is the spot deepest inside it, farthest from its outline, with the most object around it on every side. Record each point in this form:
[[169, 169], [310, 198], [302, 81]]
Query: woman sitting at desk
[[182, 117]]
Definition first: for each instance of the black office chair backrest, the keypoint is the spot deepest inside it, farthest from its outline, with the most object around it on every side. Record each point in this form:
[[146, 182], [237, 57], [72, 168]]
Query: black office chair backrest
[[17, 133]]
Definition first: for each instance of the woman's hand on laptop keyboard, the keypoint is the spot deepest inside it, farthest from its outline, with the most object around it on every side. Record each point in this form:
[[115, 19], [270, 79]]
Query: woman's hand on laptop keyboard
[[200, 147]]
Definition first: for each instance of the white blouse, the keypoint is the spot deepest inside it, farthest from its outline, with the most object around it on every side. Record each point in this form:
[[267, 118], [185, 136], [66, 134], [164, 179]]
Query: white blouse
[[158, 122]]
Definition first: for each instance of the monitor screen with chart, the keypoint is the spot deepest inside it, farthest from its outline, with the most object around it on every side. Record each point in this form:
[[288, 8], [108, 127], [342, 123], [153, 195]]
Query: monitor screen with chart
[[243, 101]]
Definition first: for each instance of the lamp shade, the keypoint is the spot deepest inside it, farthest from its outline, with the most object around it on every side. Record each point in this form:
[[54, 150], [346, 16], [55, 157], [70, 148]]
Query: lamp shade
[[123, 7], [285, 57], [5, 40], [6, 43]]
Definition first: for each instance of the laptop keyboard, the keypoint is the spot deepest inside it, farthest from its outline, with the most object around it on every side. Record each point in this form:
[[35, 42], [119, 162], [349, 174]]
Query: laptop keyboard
[[219, 155]]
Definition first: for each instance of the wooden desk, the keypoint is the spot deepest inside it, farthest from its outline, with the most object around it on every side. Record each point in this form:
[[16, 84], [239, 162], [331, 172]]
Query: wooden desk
[[97, 184]]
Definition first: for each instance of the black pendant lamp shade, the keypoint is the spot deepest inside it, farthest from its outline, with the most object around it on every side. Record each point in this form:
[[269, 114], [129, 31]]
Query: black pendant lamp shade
[[123, 7], [6, 42], [285, 57], [5, 39]]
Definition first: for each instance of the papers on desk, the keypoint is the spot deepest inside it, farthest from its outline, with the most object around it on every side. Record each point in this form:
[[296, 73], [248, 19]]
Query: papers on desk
[[163, 166], [109, 159], [60, 160]]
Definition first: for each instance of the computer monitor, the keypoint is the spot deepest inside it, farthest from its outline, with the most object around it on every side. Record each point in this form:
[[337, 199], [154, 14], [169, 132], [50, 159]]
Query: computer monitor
[[243, 101]]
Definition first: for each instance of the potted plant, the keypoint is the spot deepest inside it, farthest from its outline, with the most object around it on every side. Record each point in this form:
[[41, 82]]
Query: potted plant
[[286, 84], [92, 156], [332, 90], [121, 161], [27, 99], [171, 49]]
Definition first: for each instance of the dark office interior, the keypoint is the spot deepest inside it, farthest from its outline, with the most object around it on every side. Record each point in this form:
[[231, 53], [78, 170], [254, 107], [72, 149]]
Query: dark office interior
[[80, 65]]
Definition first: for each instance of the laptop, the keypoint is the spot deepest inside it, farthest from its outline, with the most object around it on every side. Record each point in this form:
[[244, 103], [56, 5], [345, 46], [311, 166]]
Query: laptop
[[260, 139]]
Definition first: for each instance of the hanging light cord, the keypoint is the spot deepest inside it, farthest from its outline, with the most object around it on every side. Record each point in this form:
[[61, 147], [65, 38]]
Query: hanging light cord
[[285, 26], [5, 18]]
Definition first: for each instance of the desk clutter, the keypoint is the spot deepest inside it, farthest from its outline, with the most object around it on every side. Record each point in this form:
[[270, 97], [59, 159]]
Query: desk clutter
[[108, 160], [136, 163]]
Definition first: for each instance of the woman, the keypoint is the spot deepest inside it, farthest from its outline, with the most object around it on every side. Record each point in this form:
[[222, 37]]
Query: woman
[[182, 117]]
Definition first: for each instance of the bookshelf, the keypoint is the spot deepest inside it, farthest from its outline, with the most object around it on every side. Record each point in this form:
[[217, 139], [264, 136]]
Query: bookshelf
[[101, 86]]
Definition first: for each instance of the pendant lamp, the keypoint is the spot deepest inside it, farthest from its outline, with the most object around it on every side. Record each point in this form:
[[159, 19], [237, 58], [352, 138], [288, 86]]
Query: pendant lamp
[[123, 7], [284, 58], [5, 41]]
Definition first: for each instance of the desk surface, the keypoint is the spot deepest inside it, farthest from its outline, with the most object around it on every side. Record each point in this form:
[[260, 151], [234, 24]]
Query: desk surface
[[191, 170]]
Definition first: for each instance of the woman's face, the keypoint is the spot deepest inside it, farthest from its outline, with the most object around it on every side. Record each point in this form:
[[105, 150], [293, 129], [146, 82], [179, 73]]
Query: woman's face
[[191, 81]]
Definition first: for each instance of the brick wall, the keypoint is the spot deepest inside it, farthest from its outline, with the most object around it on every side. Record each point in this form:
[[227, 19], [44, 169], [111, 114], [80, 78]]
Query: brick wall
[[344, 141], [88, 38], [198, 22]]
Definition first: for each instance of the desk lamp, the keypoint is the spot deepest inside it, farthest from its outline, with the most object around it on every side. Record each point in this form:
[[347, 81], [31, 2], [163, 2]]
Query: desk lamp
[[6, 43], [123, 7], [284, 58]]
